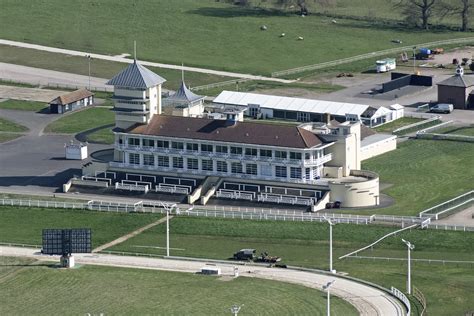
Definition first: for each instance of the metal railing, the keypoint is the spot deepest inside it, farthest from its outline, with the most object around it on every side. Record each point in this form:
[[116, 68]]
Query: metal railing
[[402, 297], [415, 126], [56, 85], [219, 84], [443, 209], [420, 297], [368, 55], [430, 261]]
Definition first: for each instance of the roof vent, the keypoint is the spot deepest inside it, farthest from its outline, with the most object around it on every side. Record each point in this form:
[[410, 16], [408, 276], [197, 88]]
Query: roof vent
[[161, 126], [188, 129], [276, 136], [247, 134], [217, 132]]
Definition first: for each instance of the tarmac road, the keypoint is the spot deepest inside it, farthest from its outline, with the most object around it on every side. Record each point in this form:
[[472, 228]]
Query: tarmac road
[[366, 299]]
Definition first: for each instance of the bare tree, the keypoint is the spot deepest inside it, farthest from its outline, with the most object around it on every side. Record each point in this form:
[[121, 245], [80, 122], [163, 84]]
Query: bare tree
[[416, 11], [461, 8]]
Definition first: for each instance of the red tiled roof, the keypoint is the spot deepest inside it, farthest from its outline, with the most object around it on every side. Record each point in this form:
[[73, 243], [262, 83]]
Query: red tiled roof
[[220, 130], [72, 97]]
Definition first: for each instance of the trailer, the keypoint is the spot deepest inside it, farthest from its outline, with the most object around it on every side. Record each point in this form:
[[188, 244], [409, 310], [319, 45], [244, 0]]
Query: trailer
[[386, 64]]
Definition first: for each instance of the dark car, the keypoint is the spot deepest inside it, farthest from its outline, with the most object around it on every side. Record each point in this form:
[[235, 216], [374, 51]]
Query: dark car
[[245, 254]]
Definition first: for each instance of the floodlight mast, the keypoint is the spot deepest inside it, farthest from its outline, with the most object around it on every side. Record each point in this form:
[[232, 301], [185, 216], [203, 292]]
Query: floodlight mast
[[235, 309], [168, 207], [331, 224], [327, 287], [410, 247]]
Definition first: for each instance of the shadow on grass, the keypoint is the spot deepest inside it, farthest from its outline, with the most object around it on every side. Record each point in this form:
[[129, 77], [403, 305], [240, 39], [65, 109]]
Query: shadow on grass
[[236, 12]]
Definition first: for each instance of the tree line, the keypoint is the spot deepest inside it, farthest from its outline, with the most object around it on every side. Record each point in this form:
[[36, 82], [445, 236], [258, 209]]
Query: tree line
[[418, 13]]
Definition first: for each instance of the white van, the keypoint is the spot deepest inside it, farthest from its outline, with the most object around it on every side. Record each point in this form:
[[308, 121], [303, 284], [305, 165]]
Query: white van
[[442, 108], [386, 64]]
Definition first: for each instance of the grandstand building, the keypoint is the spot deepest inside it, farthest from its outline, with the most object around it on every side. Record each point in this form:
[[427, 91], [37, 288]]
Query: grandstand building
[[318, 158]]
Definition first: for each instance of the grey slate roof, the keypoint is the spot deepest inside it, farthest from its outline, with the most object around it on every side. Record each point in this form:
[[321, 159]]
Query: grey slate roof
[[183, 94], [136, 76], [458, 81]]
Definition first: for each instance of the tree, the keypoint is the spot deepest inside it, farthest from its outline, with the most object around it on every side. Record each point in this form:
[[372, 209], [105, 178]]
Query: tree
[[461, 8], [303, 6], [416, 11]]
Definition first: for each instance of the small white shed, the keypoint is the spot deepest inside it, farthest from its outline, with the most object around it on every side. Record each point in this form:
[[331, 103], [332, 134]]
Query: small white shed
[[76, 152], [398, 111]]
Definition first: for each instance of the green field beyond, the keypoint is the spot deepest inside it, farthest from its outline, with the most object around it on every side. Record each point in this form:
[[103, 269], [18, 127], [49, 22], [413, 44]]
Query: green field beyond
[[81, 121], [22, 105], [33, 288], [203, 33], [12, 127], [422, 174]]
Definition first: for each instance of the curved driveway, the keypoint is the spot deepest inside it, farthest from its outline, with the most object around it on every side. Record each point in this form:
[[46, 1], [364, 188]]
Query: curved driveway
[[367, 300]]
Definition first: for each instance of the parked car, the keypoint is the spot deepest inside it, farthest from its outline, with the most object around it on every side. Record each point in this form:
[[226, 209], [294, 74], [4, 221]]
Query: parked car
[[245, 254], [442, 108]]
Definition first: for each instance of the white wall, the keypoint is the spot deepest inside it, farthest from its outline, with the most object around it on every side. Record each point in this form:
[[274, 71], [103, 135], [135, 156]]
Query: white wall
[[378, 148]]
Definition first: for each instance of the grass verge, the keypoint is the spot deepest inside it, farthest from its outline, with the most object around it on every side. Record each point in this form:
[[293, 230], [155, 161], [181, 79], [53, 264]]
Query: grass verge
[[11, 127], [22, 105], [81, 121]]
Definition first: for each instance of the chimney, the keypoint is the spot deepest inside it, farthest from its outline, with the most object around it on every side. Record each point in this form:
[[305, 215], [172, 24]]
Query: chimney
[[327, 118]]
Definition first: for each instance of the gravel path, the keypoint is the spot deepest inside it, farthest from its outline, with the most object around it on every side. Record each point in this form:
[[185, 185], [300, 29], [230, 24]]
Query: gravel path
[[366, 299]]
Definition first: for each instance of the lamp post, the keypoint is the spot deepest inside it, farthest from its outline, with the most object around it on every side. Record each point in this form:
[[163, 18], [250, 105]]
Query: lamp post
[[168, 208], [414, 59], [89, 59], [235, 309], [327, 287], [331, 224], [410, 247]]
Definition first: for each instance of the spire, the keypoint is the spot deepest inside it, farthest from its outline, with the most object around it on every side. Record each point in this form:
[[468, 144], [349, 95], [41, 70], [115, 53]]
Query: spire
[[182, 72], [135, 51]]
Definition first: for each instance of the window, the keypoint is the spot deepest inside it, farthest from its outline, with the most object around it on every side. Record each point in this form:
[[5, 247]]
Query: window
[[251, 168], [192, 147], [280, 154], [222, 149], [303, 116], [236, 150], [266, 170], [221, 166], [134, 159], [265, 153], [162, 144], [251, 152], [148, 160], [295, 156], [178, 162], [134, 141], [307, 173], [177, 145], [295, 173], [163, 161], [206, 148], [280, 171], [148, 142], [193, 164], [236, 167], [207, 165]]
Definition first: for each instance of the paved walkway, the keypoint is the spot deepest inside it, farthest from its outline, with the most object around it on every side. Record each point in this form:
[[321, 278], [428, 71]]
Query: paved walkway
[[462, 218], [367, 300], [128, 236], [145, 63]]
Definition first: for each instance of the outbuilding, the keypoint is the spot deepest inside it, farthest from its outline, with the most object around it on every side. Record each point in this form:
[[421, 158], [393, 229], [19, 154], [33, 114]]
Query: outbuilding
[[456, 90], [71, 101]]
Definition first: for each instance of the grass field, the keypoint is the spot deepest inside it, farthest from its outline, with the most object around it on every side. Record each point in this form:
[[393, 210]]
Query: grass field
[[456, 130], [34, 288], [391, 126], [24, 225], [423, 173], [5, 137], [306, 244], [81, 121], [12, 127], [99, 68], [22, 105], [102, 136], [202, 33]]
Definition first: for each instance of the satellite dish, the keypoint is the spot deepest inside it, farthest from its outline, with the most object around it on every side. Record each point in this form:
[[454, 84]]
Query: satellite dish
[[459, 70]]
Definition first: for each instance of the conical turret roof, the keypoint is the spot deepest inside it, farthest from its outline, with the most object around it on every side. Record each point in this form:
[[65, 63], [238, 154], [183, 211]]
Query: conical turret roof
[[136, 76], [183, 94]]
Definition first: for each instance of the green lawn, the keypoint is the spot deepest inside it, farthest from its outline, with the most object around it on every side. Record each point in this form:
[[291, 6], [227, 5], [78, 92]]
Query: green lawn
[[35, 288], [456, 130], [202, 33], [306, 244], [423, 173], [5, 137], [23, 105], [24, 225], [12, 127], [81, 121], [390, 127], [102, 136]]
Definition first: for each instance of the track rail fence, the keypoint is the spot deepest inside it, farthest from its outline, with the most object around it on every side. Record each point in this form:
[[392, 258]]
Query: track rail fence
[[368, 55]]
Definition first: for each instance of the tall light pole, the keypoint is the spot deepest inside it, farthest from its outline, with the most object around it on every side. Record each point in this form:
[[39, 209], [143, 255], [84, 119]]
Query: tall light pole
[[327, 287], [410, 247], [89, 59], [168, 207], [235, 309], [414, 59], [331, 224]]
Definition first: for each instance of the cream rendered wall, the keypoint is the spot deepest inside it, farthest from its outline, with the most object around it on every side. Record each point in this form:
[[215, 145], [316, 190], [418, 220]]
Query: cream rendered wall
[[378, 148], [356, 194], [346, 150], [139, 94]]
